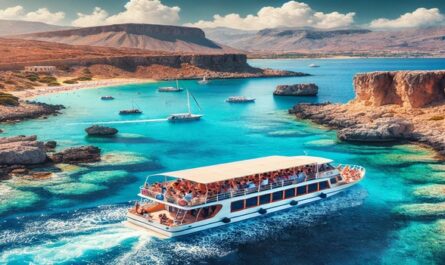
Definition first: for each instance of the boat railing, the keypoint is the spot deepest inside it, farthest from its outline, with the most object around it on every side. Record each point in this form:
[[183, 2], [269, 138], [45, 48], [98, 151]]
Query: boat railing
[[246, 191]]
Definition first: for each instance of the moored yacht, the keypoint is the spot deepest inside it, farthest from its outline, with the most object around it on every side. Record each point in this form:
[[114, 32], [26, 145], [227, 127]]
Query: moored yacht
[[170, 88], [239, 99], [314, 65], [188, 116], [203, 81], [187, 201], [107, 97]]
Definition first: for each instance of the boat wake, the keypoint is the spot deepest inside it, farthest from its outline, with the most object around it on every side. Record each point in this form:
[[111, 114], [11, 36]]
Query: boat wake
[[99, 234], [118, 122]]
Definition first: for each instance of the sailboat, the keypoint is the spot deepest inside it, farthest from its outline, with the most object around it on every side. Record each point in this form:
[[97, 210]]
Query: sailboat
[[189, 116], [170, 88], [133, 110], [203, 81]]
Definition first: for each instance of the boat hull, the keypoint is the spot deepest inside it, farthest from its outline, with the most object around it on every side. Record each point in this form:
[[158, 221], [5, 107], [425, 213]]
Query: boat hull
[[226, 217]]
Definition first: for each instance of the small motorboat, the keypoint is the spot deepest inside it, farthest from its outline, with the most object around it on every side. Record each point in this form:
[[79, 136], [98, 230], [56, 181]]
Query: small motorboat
[[188, 116], [313, 65], [239, 99], [107, 98], [170, 88], [129, 112], [203, 81]]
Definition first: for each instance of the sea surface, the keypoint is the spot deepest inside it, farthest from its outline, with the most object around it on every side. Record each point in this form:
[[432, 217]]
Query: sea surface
[[396, 215]]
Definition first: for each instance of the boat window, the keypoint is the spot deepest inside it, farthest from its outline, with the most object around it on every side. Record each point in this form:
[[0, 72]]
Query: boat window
[[264, 199], [323, 185], [289, 193], [277, 196], [312, 187], [339, 178], [251, 202], [333, 180], [237, 205], [301, 190]]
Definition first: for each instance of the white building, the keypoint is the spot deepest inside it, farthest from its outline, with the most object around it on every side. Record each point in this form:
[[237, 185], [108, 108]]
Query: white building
[[40, 69]]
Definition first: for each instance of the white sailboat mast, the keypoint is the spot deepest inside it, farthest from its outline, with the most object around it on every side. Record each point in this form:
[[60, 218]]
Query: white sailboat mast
[[177, 84], [188, 102]]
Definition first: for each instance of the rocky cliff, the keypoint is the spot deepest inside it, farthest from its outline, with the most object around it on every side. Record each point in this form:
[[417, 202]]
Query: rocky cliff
[[414, 89], [389, 106]]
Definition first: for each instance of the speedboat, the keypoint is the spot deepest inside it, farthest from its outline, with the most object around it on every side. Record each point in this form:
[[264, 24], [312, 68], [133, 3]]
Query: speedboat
[[314, 65], [239, 99], [270, 184], [107, 97], [170, 88], [203, 81], [188, 116]]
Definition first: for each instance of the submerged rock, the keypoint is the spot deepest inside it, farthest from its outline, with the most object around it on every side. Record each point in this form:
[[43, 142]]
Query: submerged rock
[[51, 144], [74, 189], [75, 155], [296, 90], [21, 150], [97, 130]]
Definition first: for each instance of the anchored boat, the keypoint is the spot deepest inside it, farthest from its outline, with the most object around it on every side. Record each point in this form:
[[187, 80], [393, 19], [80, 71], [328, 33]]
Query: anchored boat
[[170, 88], [187, 201], [107, 97], [189, 116], [203, 81], [239, 99]]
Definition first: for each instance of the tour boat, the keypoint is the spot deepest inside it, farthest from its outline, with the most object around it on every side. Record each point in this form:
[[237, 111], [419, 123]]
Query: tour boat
[[189, 116], [107, 97], [203, 81], [186, 201], [170, 88], [239, 99]]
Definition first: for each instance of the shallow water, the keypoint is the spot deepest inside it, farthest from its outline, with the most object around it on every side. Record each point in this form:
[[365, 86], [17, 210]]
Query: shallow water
[[75, 217]]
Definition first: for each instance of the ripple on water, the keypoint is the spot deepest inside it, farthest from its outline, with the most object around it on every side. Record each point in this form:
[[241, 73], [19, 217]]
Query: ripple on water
[[431, 192], [321, 143], [74, 188], [421, 210], [11, 199], [104, 177]]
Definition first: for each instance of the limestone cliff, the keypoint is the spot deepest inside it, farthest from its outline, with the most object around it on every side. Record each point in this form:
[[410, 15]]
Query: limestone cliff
[[413, 89]]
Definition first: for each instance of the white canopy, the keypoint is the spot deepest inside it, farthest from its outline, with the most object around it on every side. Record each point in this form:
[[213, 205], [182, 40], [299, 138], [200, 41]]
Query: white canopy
[[238, 169]]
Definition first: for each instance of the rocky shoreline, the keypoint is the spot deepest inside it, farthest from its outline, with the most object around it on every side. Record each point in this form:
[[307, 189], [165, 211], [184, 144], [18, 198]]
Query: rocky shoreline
[[389, 106], [28, 110], [23, 155]]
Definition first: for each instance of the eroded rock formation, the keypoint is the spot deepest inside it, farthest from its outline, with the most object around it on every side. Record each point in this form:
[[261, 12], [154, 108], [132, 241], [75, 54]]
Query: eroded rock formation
[[97, 130], [389, 106], [296, 90], [21, 150], [414, 89], [74, 155]]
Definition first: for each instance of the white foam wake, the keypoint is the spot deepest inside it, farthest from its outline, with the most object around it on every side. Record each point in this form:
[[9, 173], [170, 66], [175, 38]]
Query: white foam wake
[[118, 122]]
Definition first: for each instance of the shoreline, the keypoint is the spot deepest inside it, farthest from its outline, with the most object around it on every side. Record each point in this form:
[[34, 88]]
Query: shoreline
[[46, 90]]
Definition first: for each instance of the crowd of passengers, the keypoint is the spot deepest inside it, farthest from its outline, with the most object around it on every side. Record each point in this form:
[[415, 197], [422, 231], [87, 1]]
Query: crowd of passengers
[[186, 192]]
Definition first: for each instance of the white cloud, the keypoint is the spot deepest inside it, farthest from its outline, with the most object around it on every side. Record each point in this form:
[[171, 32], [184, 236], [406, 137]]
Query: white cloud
[[87, 20], [136, 11], [421, 17], [39, 15], [290, 14], [44, 15]]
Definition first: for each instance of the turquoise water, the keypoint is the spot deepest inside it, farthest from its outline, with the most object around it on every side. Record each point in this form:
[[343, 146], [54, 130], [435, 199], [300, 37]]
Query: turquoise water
[[395, 216]]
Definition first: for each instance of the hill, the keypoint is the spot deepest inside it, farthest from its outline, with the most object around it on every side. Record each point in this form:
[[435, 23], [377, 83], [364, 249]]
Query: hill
[[10, 27], [411, 42], [139, 36]]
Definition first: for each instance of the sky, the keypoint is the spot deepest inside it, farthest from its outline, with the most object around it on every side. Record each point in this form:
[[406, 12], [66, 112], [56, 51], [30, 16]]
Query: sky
[[240, 14]]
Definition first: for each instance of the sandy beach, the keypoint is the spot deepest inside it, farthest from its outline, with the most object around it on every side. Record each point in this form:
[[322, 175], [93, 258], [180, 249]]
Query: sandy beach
[[44, 90]]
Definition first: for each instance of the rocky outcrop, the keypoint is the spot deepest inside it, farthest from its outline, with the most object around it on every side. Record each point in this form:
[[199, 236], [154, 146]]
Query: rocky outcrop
[[384, 129], [415, 89], [75, 155], [28, 110], [21, 150], [97, 130], [296, 90], [389, 106]]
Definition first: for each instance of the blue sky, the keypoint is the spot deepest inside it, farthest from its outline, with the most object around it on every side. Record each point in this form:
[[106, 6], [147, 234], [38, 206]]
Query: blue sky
[[314, 13]]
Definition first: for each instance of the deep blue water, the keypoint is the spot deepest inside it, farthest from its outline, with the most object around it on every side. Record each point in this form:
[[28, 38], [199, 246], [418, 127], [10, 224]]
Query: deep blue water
[[395, 216]]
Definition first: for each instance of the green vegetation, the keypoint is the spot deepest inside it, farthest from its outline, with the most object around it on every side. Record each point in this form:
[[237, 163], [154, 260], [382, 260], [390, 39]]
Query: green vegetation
[[48, 79], [70, 81], [32, 77], [8, 99], [84, 78], [54, 84], [437, 118]]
